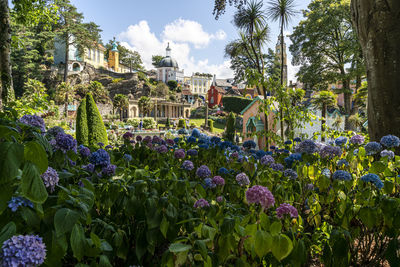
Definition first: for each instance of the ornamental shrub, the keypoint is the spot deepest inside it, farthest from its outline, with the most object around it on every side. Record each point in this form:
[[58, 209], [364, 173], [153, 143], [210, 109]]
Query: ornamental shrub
[[230, 127], [181, 123], [97, 131], [211, 125], [82, 131], [235, 103], [168, 124], [149, 123]]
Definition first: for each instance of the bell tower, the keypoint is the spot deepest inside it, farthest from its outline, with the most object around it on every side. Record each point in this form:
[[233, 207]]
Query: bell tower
[[113, 57], [279, 55]]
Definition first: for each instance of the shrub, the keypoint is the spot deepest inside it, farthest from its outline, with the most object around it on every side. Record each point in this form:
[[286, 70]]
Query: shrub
[[181, 123], [230, 127], [168, 123], [117, 80], [133, 122], [149, 123], [235, 103], [97, 130], [82, 131], [211, 125]]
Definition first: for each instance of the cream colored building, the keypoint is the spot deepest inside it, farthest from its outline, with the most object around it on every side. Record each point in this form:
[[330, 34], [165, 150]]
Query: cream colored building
[[198, 84], [162, 109]]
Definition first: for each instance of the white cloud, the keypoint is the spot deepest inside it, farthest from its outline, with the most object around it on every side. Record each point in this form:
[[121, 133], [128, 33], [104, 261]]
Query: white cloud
[[180, 35], [190, 31]]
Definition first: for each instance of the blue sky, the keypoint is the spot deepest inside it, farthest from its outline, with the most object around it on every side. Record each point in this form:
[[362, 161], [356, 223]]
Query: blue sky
[[196, 38]]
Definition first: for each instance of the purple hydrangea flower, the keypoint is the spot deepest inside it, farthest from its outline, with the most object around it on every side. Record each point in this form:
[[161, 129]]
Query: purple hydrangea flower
[[100, 144], [170, 142], [108, 147], [290, 173], [161, 149], [84, 151], [192, 152], [89, 167], [309, 186], [201, 203], [50, 178], [387, 153], [330, 152], [203, 171], [220, 199], [357, 139], [390, 141], [373, 178], [139, 138], [267, 160], [235, 155], [53, 131], [23, 250], [179, 153], [187, 165], [276, 166], [127, 157], [127, 135], [108, 170], [307, 146], [17, 202], [258, 194], [147, 139], [285, 208], [100, 158], [208, 183], [34, 121], [65, 142], [156, 140], [372, 148], [341, 175], [242, 179], [341, 141], [218, 180]]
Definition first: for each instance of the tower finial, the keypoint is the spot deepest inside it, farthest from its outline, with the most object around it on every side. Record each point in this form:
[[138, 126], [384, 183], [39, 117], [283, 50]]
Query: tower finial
[[168, 51]]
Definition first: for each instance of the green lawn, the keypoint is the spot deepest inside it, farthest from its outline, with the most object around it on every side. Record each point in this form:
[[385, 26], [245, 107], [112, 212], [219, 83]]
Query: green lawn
[[218, 127]]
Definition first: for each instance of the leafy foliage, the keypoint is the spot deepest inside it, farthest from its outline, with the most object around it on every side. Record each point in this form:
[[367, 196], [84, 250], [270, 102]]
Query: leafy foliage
[[235, 103], [230, 127], [97, 131], [82, 129]]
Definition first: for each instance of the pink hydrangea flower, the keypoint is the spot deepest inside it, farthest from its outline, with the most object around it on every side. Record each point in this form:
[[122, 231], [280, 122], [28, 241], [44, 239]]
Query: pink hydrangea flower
[[258, 194], [201, 203], [218, 180], [285, 208]]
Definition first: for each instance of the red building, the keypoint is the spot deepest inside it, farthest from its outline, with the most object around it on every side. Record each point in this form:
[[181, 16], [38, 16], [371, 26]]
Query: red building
[[214, 96]]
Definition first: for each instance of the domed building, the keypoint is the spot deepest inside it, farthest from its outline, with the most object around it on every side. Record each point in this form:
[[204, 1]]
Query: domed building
[[168, 69]]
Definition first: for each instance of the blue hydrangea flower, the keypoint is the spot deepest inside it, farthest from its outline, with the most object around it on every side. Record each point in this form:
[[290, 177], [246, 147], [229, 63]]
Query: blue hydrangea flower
[[205, 146], [127, 157], [373, 178], [297, 139], [342, 163], [53, 131], [191, 139], [17, 202], [215, 140], [187, 165], [196, 133], [225, 144], [390, 141], [307, 146], [387, 153], [100, 144], [290, 173], [84, 151], [65, 142], [192, 152], [177, 139], [34, 121], [203, 172], [288, 142], [330, 152], [249, 144], [50, 178], [90, 167], [341, 141], [100, 158], [183, 131], [208, 183], [341, 175], [276, 166], [326, 172], [23, 250], [223, 170], [372, 148], [291, 159], [267, 160], [108, 170]]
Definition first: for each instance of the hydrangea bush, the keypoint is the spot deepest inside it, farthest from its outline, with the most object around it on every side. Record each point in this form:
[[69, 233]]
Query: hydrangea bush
[[196, 201]]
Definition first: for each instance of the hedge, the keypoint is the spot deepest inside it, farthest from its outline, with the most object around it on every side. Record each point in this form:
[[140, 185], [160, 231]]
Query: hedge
[[235, 103], [82, 130]]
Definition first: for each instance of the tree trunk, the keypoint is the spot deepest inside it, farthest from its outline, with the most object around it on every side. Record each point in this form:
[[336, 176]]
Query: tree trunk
[[347, 103], [66, 74], [280, 108], [266, 113], [378, 29], [323, 122], [6, 87]]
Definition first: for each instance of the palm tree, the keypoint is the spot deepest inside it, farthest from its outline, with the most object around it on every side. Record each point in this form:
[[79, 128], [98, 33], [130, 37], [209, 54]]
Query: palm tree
[[322, 101], [338, 121], [356, 120], [145, 105], [282, 11], [121, 102]]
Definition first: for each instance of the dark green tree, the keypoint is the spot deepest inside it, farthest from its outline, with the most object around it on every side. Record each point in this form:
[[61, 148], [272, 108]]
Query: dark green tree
[[155, 60], [230, 127], [323, 100], [97, 130], [82, 130], [172, 84], [145, 105]]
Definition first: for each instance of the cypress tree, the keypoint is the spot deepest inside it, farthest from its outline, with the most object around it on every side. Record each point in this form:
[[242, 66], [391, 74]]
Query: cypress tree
[[82, 131], [230, 127], [97, 130]]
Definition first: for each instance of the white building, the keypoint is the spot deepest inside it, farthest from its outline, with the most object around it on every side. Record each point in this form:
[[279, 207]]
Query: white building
[[168, 69], [199, 84]]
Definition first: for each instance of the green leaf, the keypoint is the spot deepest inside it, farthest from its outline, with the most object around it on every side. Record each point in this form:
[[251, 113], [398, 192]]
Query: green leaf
[[377, 167], [32, 184], [7, 231], [282, 246], [228, 225], [368, 216], [96, 240], [11, 157], [179, 247], [35, 153], [262, 243], [104, 261], [64, 220], [164, 226], [78, 241], [105, 246], [276, 228]]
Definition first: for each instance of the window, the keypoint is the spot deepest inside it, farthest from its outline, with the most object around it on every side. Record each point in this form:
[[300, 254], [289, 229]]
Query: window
[[212, 100]]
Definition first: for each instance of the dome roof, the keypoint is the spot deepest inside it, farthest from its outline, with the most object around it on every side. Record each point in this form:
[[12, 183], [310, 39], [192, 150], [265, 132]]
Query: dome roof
[[168, 62]]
